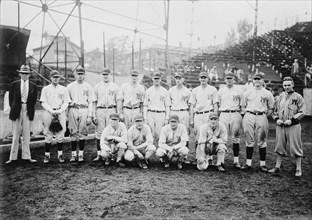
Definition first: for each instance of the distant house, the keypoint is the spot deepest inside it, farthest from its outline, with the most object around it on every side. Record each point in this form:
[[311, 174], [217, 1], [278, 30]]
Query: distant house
[[63, 52]]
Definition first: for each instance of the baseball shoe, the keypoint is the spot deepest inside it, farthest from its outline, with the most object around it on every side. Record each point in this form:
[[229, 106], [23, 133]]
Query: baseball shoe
[[246, 167], [107, 162], [210, 163], [46, 159], [60, 159], [98, 158], [166, 162], [80, 158], [298, 173], [144, 164], [263, 169], [275, 170], [120, 164], [221, 169], [73, 159], [180, 165], [237, 166], [10, 161], [30, 160]]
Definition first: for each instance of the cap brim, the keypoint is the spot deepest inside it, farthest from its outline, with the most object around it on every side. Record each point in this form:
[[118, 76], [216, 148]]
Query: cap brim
[[24, 71]]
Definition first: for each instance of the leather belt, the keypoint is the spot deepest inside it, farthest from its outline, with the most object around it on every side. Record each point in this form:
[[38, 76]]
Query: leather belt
[[199, 113], [131, 108], [56, 109], [107, 107], [256, 113], [24, 102], [79, 106], [149, 110], [179, 110], [230, 111]]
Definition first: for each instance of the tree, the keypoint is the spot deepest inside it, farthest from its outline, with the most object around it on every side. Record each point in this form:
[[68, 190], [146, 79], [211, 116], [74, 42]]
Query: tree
[[243, 29], [230, 39]]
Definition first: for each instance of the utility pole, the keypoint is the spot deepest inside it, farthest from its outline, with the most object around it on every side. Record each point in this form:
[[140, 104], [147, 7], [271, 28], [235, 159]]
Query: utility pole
[[167, 46], [78, 3], [132, 56], [18, 35], [104, 54], [255, 37], [140, 56]]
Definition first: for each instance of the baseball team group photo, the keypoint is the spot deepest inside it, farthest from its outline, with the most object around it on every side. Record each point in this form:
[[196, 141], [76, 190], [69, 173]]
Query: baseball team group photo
[[218, 132]]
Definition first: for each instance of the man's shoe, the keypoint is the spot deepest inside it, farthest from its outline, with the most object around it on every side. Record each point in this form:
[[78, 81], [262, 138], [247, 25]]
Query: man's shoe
[[275, 170], [107, 162], [263, 169], [98, 158], [166, 165], [46, 159], [210, 163], [221, 169], [80, 158], [180, 165], [144, 164], [30, 160], [237, 166], [10, 161], [245, 167], [60, 159], [298, 173], [73, 159]]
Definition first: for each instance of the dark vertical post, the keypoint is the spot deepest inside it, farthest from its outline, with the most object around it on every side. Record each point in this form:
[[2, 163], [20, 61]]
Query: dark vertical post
[[255, 37], [167, 46], [18, 35], [57, 53], [78, 3], [132, 56], [65, 59]]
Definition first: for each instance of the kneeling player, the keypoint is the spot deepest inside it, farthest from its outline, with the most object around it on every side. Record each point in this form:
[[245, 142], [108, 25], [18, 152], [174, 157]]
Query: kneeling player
[[212, 141], [140, 143], [113, 141], [172, 142]]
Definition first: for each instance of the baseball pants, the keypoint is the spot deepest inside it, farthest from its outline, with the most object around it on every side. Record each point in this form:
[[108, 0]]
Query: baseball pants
[[111, 151], [233, 124], [129, 115], [156, 121], [102, 115], [199, 120], [182, 152], [77, 123], [184, 117], [220, 152], [292, 135], [146, 153], [59, 136], [255, 129]]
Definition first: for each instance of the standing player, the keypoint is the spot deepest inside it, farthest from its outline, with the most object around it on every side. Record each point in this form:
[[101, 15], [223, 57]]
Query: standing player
[[130, 99], [180, 96], [172, 143], [212, 141], [156, 106], [113, 141], [257, 104], [140, 143], [203, 101], [289, 110], [104, 104], [54, 99], [229, 101], [80, 112], [22, 100]]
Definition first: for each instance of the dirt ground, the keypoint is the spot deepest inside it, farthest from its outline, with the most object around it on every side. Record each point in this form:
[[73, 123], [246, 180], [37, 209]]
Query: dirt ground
[[92, 191]]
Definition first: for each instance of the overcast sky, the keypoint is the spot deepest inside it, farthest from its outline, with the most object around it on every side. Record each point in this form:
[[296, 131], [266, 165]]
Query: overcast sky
[[212, 19]]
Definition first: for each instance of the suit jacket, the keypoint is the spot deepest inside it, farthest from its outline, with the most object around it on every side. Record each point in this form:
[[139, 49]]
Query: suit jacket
[[15, 100]]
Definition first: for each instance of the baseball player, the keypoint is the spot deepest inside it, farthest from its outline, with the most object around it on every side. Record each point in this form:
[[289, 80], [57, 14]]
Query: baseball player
[[229, 104], [140, 143], [113, 141], [172, 143], [180, 96], [79, 113], [130, 99], [212, 141], [54, 99], [257, 104], [289, 110], [104, 104], [156, 106], [203, 102]]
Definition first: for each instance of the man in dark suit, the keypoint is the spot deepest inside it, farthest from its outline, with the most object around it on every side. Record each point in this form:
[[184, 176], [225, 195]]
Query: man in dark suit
[[22, 100]]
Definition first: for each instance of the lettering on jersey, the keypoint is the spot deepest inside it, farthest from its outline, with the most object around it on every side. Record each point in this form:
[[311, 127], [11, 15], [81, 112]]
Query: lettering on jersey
[[60, 96], [85, 93], [111, 92], [139, 96], [236, 98], [162, 98], [294, 101], [263, 99]]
